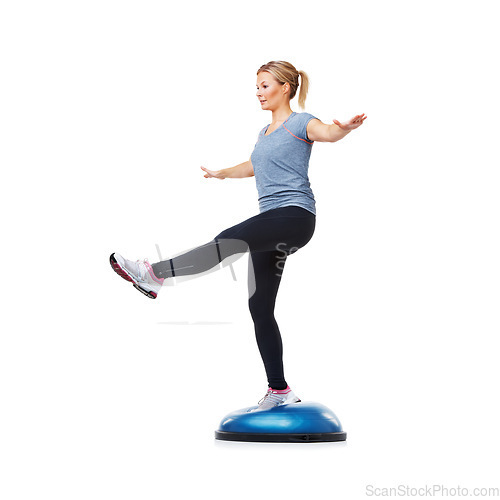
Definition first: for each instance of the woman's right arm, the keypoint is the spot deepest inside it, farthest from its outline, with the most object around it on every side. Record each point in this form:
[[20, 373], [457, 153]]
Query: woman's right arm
[[242, 170]]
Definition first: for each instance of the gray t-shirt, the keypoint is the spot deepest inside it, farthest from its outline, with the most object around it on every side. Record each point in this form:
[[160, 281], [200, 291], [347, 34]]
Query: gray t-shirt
[[281, 161]]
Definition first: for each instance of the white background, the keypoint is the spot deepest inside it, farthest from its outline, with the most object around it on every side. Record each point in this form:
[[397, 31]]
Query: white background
[[389, 315]]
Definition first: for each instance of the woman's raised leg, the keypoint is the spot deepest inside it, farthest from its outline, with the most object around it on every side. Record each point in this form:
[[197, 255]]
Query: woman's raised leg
[[284, 229]]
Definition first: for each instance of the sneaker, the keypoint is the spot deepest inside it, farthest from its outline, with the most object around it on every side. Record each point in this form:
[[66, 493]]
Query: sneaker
[[140, 273], [276, 397]]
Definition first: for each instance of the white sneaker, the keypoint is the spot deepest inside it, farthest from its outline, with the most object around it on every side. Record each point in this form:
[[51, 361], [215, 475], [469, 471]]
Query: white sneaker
[[277, 398], [140, 273]]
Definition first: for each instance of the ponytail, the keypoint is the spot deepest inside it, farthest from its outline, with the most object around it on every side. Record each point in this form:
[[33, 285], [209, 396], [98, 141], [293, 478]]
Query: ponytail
[[304, 88]]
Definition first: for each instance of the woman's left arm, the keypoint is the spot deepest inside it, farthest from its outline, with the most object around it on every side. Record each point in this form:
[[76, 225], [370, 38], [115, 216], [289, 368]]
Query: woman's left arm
[[321, 132]]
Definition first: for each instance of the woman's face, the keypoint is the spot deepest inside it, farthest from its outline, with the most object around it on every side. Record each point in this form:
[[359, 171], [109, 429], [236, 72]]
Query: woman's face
[[270, 91]]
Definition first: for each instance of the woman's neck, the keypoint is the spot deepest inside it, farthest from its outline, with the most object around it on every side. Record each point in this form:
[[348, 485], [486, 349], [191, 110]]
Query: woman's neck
[[281, 114]]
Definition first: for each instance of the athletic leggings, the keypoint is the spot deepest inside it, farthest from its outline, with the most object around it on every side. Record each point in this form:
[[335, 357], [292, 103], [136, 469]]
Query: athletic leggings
[[269, 237]]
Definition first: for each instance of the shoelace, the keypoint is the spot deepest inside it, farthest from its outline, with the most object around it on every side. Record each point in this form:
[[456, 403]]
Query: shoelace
[[273, 398], [142, 277]]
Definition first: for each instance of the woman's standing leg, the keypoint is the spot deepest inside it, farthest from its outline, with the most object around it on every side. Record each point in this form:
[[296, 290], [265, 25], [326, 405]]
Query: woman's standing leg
[[267, 269]]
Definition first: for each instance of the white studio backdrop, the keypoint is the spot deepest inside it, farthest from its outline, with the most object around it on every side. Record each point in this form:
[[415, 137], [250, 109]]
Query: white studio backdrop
[[389, 314]]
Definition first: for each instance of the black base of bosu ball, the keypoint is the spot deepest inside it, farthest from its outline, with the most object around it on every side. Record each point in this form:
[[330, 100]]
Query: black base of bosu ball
[[304, 422]]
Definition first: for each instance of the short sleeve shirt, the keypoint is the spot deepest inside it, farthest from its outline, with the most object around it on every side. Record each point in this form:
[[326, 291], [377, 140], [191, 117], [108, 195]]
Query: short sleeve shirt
[[280, 162]]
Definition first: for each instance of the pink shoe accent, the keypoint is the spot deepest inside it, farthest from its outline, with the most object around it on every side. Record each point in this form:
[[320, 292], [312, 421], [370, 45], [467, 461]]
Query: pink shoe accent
[[150, 269], [280, 391], [118, 270]]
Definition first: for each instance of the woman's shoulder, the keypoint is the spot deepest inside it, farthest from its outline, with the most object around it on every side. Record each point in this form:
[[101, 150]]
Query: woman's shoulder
[[302, 119], [298, 125], [304, 115]]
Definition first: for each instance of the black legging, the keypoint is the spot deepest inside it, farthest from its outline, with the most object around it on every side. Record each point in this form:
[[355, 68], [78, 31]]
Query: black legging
[[270, 237]]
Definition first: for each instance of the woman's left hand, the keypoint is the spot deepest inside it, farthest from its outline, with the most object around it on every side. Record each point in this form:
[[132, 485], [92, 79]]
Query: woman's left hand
[[352, 123]]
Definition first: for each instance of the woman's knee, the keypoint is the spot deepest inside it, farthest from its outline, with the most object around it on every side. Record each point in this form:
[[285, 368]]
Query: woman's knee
[[228, 246], [224, 234], [260, 308]]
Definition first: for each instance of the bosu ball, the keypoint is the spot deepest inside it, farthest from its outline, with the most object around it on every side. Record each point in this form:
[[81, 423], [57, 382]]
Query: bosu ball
[[303, 422]]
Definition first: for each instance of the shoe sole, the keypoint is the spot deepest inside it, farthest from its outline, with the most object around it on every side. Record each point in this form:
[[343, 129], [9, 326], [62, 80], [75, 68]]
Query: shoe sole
[[121, 272]]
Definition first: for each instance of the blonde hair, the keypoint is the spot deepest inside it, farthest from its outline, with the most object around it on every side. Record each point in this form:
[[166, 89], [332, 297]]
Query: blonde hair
[[285, 72]]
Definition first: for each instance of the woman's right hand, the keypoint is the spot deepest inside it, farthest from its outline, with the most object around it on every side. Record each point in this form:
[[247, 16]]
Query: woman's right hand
[[217, 174]]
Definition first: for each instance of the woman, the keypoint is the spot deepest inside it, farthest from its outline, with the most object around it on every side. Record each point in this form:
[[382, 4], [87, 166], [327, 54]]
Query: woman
[[286, 222]]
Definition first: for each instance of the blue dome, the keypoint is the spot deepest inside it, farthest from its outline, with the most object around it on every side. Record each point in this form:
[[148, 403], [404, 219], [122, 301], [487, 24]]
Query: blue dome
[[295, 422]]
